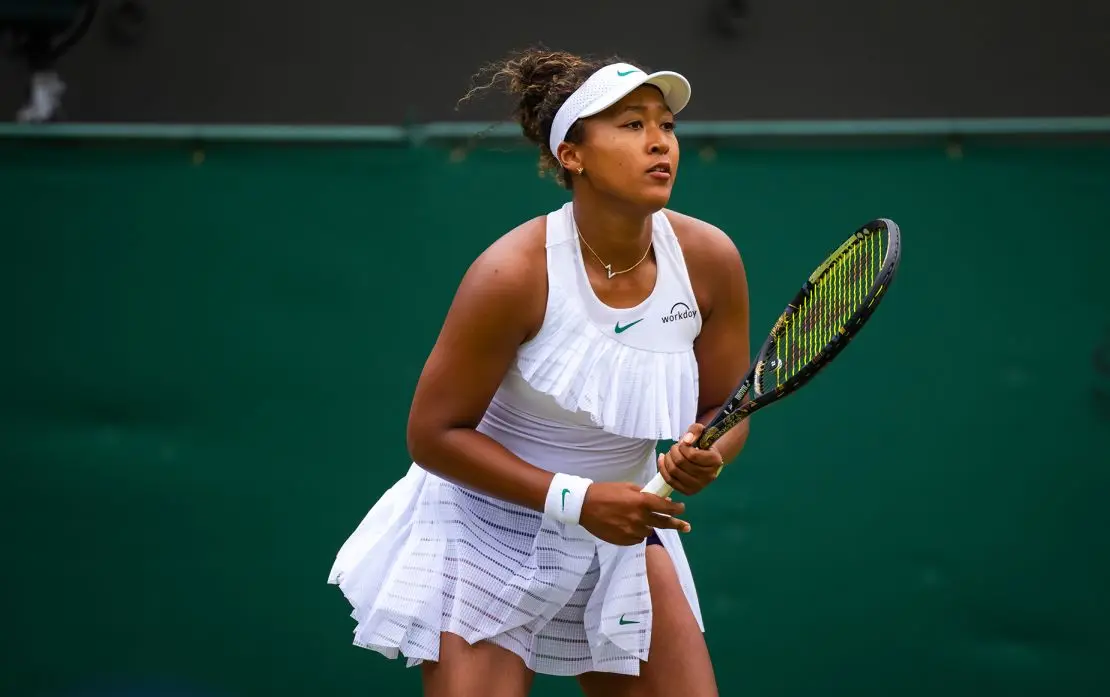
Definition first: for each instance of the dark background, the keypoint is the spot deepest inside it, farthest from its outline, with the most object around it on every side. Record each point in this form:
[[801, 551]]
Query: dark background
[[358, 62]]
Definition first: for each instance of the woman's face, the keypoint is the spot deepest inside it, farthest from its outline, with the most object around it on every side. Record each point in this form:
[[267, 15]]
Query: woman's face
[[630, 150]]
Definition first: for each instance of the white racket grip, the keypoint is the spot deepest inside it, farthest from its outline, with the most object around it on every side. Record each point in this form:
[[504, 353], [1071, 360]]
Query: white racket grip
[[661, 488], [658, 486]]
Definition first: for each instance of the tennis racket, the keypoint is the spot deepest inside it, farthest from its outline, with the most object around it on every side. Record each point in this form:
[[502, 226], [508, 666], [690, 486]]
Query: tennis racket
[[826, 314]]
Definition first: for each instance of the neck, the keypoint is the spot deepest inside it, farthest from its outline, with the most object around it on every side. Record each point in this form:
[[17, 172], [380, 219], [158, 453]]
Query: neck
[[617, 234]]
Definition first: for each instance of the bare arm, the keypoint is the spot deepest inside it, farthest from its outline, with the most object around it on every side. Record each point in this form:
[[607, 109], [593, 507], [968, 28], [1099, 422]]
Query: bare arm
[[723, 348], [498, 305]]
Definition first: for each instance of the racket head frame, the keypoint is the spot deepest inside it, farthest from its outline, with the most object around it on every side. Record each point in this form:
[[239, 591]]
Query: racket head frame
[[742, 403]]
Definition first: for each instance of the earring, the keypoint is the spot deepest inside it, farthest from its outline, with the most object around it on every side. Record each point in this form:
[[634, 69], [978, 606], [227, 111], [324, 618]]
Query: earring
[[581, 170]]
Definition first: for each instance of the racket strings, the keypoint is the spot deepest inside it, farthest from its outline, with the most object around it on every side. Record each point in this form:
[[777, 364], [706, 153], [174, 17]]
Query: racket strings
[[826, 310]]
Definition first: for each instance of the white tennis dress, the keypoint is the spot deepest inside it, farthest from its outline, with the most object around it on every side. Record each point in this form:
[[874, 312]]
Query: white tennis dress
[[589, 395]]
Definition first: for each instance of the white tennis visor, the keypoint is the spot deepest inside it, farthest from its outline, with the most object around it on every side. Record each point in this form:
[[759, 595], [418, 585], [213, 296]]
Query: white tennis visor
[[608, 86]]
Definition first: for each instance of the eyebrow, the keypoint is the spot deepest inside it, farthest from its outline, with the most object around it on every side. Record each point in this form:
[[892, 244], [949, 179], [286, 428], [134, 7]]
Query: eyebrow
[[642, 108]]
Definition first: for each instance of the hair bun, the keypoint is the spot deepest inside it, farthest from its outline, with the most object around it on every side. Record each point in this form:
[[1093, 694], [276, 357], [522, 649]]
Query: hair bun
[[539, 80]]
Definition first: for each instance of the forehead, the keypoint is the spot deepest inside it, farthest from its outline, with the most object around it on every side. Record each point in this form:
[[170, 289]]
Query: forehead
[[644, 96]]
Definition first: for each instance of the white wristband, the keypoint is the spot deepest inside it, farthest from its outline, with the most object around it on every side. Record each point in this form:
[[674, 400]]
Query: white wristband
[[565, 497]]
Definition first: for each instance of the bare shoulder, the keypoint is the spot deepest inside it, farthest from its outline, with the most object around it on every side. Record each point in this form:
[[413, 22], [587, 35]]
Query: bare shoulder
[[712, 258], [702, 243], [507, 282], [517, 257], [499, 303]]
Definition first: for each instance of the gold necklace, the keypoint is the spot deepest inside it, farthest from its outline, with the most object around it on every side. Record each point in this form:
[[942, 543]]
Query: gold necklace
[[609, 267]]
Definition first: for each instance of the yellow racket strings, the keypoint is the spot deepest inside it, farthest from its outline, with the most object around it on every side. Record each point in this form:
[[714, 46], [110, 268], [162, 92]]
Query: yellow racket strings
[[827, 308]]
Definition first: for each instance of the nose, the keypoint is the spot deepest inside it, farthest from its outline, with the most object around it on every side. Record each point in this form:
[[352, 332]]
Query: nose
[[659, 144]]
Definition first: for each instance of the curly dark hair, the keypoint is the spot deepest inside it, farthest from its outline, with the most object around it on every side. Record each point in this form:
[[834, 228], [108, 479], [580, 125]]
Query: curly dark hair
[[541, 80]]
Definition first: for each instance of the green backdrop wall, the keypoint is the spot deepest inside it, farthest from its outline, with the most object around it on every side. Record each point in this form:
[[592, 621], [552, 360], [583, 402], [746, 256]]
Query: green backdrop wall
[[208, 355]]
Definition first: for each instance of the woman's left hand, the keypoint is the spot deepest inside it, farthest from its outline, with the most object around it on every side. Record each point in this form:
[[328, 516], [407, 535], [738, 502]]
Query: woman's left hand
[[686, 468]]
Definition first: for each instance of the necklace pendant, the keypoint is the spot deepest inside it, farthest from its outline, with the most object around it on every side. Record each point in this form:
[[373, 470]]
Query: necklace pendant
[[609, 270]]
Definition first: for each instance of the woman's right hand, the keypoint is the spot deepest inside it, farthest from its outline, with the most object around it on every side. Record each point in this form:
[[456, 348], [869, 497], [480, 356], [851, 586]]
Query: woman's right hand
[[619, 513]]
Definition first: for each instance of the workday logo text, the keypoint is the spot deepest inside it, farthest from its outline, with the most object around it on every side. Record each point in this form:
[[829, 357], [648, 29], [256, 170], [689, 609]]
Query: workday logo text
[[679, 311]]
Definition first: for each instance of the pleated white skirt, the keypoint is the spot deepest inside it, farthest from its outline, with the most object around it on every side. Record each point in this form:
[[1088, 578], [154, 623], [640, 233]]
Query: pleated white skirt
[[433, 557]]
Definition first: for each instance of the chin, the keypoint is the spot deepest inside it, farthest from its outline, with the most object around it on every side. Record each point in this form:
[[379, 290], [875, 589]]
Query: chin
[[654, 200], [647, 199]]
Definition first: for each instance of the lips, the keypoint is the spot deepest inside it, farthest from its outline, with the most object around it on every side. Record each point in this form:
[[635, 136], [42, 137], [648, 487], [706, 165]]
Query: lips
[[660, 171]]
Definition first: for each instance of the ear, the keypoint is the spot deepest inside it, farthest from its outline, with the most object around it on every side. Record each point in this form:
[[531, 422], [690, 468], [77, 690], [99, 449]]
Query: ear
[[569, 156]]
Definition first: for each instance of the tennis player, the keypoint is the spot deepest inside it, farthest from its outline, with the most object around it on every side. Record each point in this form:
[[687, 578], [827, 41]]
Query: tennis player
[[519, 542]]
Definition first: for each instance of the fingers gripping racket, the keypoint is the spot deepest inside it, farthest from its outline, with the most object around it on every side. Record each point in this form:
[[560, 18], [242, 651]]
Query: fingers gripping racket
[[826, 314]]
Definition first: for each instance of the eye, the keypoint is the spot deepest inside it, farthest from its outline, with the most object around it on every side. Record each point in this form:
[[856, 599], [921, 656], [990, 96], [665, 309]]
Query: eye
[[634, 124], [668, 126]]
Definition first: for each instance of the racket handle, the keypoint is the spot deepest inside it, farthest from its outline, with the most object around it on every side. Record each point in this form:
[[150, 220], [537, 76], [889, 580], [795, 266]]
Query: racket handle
[[658, 486], [661, 488]]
